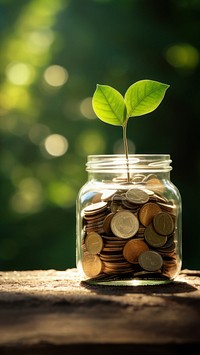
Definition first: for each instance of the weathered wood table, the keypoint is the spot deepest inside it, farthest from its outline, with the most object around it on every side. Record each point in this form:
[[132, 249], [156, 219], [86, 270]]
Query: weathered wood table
[[53, 312]]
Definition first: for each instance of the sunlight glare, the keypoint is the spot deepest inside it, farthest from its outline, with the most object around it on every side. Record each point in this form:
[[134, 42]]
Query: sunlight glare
[[182, 56], [39, 41], [55, 75], [86, 108], [38, 132], [28, 198], [56, 145], [20, 73]]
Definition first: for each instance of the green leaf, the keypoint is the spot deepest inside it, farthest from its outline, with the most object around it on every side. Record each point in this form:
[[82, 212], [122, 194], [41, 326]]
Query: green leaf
[[144, 96], [108, 104]]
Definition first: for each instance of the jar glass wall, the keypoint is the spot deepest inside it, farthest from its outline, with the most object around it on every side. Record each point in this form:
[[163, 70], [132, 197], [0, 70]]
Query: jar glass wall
[[128, 215]]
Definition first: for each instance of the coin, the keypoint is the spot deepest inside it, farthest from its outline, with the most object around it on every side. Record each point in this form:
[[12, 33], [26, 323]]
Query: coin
[[163, 223], [96, 198], [115, 242], [119, 228], [154, 239], [106, 222], [133, 249], [95, 207], [93, 243], [149, 192], [124, 224], [114, 258], [121, 179], [156, 198], [170, 268], [147, 212], [118, 198], [110, 237], [119, 264], [138, 178], [96, 229], [109, 249], [167, 251], [96, 216], [88, 196], [92, 265], [171, 208], [150, 260], [129, 205], [170, 241], [140, 232], [149, 176], [155, 184], [107, 194], [137, 196]]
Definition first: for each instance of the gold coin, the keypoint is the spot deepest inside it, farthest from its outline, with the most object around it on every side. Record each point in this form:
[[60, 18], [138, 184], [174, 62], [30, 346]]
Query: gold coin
[[147, 212], [170, 268], [150, 260], [163, 223], [133, 249], [156, 198], [115, 265], [92, 265], [106, 222], [114, 258], [110, 237], [154, 239], [156, 185], [171, 208], [124, 224], [110, 245], [149, 176], [112, 249], [93, 243], [98, 215], [96, 198], [137, 196]]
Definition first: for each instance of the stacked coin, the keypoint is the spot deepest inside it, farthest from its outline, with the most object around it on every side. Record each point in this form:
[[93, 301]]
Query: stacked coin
[[129, 231]]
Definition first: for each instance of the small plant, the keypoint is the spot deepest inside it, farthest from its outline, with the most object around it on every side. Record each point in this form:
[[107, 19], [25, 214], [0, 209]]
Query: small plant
[[142, 97]]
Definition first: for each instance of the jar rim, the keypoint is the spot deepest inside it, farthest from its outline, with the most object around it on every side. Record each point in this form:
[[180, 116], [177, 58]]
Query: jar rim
[[118, 162], [154, 155]]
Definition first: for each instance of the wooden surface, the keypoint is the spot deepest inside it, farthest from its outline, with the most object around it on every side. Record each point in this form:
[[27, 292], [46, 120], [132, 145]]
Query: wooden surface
[[53, 312]]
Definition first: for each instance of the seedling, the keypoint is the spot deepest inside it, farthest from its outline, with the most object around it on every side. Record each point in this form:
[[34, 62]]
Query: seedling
[[142, 97]]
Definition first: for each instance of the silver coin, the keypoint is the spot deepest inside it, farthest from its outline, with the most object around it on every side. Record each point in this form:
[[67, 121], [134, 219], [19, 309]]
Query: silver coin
[[124, 224], [137, 196], [150, 260]]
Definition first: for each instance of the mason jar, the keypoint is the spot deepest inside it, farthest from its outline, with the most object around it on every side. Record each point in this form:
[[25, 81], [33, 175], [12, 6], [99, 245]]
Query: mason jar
[[128, 221]]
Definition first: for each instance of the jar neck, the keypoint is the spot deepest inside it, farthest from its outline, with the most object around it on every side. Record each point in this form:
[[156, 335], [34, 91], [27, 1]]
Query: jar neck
[[110, 166]]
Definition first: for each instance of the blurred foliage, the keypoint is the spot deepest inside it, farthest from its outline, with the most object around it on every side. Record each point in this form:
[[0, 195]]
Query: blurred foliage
[[52, 55]]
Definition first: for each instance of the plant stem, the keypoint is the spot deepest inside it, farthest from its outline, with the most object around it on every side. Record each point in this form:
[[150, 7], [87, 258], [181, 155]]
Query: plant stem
[[126, 149]]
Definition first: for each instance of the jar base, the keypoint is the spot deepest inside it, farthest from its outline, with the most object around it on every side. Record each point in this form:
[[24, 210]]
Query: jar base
[[135, 282]]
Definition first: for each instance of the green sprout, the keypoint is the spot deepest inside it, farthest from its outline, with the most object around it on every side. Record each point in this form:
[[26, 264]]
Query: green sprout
[[142, 97]]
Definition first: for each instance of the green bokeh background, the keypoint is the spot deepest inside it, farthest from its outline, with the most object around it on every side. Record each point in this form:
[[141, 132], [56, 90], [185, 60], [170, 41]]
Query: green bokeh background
[[52, 55]]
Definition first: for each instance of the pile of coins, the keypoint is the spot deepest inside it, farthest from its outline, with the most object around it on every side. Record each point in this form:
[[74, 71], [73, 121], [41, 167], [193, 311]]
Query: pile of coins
[[130, 231]]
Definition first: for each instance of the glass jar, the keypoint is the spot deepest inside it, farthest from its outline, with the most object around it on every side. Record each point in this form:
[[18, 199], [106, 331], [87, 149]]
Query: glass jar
[[129, 229]]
